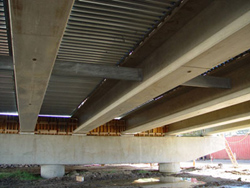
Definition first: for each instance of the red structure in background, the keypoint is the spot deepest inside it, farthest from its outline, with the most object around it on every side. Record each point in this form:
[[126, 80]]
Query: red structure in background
[[240, 145]]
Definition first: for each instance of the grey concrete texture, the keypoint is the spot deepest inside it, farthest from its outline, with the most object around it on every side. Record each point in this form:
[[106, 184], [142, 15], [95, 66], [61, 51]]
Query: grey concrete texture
[[85, 70], [169, 167], [203, 43], [52, 171], [36, 28], [46, 149], [228, 127], [168, 110]]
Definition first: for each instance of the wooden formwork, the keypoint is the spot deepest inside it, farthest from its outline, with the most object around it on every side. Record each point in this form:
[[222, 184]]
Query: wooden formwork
[[160, 131], [116, 127], [9, 124], [112, 128], [45, 125], [66, 126], [56, 126]]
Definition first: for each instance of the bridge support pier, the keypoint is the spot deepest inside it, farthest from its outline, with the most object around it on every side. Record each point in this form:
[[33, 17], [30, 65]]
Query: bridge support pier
[[70, 150], [169, 167], [52, 171]]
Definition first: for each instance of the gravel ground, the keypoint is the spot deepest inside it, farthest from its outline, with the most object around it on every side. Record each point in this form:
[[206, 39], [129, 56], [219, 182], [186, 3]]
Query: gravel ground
[[204, 174]]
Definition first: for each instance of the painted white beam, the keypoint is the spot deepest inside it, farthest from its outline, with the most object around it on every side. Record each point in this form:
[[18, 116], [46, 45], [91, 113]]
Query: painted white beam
[[229, 127], [37, 28], [229, 115], [201, 44], [186, 103], [64, 68], [209, 82], [49, 149]]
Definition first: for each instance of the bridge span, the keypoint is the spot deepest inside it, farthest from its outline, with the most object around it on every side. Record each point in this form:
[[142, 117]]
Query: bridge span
[[85, 82]]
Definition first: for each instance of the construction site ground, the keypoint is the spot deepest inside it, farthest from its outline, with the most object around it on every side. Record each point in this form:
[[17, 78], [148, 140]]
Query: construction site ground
[[217, 173]]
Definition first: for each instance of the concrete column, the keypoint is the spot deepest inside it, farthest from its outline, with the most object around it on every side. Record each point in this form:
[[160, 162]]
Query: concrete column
[[169, 167], [52, 171]]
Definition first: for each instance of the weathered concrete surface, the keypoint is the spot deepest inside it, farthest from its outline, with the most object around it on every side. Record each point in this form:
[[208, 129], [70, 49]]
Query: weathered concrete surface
[[52, 171], [46, 149]]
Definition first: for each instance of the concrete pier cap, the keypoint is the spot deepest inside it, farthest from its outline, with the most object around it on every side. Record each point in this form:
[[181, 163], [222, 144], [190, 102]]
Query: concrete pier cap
[[52, 171], [173, 167]]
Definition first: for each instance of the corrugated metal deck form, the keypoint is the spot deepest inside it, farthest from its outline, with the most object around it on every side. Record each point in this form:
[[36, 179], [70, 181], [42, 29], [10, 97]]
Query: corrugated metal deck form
[[7, 86], [64, 94], [100, 32], [7, 92], [4, 43]]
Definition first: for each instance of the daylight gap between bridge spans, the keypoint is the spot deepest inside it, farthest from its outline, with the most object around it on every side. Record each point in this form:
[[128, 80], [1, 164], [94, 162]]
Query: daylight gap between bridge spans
[[204, 42]]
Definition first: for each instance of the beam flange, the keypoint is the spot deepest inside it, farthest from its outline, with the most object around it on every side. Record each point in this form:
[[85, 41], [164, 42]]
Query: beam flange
[[37, 28], [228, 127], [229, 115], [209, 82], [98, 71], [177, 60]]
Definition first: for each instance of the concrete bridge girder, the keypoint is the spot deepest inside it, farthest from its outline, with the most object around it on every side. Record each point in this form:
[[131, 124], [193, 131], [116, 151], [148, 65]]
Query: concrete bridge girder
[[37, 28], [228, 127], [187, 103], [225, 116], [218, 39]]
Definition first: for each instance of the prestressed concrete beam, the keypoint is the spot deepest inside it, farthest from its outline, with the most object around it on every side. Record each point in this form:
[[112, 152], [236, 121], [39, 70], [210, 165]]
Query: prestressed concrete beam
[[37, 28], [209, 82], [186, 102], [119, 73], [98, 71], [49, 149], [228, 127], [63, 68], [229, 115], [206, 39]]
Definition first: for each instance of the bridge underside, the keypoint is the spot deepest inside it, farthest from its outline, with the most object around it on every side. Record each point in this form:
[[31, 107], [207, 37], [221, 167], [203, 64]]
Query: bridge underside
[[126, 69], [184, 109]]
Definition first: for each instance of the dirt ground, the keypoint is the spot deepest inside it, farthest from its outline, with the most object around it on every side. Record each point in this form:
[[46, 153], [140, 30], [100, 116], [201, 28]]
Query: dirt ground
[[205, 174]]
